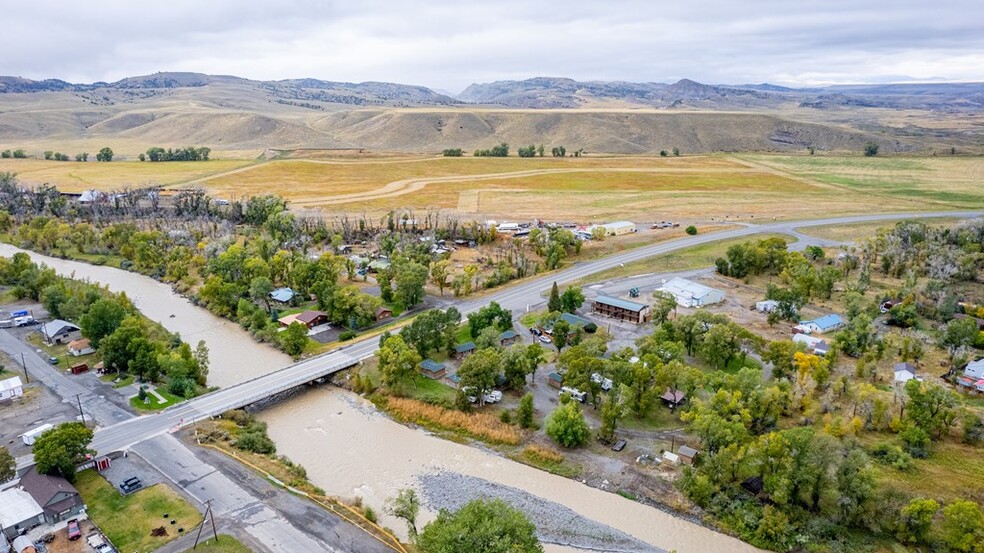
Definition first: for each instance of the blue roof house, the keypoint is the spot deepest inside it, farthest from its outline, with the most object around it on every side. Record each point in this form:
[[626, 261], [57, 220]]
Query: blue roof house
[[824, 324]]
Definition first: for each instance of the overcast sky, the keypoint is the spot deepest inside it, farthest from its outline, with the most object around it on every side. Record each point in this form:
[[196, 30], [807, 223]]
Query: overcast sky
[[447, 45]]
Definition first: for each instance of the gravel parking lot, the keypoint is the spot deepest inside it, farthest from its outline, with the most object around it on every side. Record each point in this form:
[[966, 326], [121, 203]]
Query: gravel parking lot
[[38, 406]]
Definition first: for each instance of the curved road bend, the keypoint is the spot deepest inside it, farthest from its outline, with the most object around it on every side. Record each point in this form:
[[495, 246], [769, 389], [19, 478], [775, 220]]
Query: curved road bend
[[125, 434]]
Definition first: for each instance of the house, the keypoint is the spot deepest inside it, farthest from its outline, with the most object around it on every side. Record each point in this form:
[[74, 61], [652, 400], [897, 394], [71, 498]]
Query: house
[[814, 345], [767, 306], [453, 380], [827, 323], [60, 332], [508, 337], [618, 228], [905, 372], [11, 388], [464, 350], [80, 347], [19, 512], [282, 295], [975, 369], [56, 496], [692, 294], [432, 369], [556, 380], [673, 398], [623, 310], [687, 454], [312, 318], [384, 313], [286, 320], [90, 197]]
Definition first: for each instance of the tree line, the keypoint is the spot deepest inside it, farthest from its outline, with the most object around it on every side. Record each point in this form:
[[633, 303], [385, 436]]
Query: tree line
[[188, 153]]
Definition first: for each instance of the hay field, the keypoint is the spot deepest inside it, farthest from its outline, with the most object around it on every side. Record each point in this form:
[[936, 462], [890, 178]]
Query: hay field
[[951, 182], [700, 188], [72, 176]]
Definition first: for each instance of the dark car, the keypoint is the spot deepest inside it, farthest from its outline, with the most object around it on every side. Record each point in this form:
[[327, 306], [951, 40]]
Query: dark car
[[74, 532], [131, 485], [619, 445]]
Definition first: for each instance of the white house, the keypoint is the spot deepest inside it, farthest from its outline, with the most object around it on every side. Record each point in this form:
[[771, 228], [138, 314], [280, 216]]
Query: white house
[[814, 345], [11, 388], [767, 306], [691, 294], [827, 323], [905, 372], [80, 347], [975, 369], [19, 512]]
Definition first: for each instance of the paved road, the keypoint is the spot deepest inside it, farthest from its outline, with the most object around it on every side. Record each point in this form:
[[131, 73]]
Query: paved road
[[518, 297]]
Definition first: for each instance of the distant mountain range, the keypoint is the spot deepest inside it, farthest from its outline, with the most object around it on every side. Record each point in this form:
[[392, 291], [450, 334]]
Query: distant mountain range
[[228, 112]]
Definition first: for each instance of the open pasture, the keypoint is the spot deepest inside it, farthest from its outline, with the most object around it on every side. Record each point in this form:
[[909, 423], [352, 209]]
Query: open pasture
[[73, 176]]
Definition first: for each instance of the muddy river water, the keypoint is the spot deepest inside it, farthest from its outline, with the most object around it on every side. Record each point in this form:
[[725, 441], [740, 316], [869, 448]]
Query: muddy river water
[[350, 449]]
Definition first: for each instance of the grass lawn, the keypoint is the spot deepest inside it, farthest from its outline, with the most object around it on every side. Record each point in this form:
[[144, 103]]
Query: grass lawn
[[226, 544], [464, 334], [128, 520], [430, 391], [154, 405], [697, 257], [659, 418], [125, 379]]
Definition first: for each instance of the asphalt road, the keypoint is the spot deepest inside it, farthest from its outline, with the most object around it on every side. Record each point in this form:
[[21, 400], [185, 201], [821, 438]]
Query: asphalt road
[[518, 297]]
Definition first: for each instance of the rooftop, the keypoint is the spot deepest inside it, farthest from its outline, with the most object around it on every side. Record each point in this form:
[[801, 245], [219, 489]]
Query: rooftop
[[467, 346], [827, 321], [52, 328], [905, 367], [685, 288], [79, 344], [16, 506], [687, 451], [44, 487], [282, 295], [508, 335], [430, 365], [310, 316], [620, 303], [10, 383]]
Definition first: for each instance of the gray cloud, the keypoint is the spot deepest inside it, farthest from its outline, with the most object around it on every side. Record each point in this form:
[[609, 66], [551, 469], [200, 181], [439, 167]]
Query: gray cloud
[[451, 44]]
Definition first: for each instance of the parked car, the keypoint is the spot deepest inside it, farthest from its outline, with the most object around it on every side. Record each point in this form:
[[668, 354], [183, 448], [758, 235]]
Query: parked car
[[495, 396], [54, 360], [74, 532], [619, 445], [546, 339], [535, 331], [130, 485]]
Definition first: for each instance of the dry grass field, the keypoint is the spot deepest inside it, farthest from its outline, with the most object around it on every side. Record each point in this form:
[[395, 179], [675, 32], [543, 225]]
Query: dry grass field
[[71, 176]]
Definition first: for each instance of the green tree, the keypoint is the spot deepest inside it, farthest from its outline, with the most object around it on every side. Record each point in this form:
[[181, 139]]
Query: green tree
[[870, 149], [122, 346], [916, 520], [962, 529], [102, 319], [294, 339], [397, 361], [571, 299], [8, 465], [410, 280], [406, 505], [259, 290], [676, 151], [478, 372], [60, 449], [480, 526], [200, 356], [561, 334], [663, 304], [536, 354], [611, 412], [105, 154], [516, 365], [566, 425], [554, 304], [691, 230], [440, 271], [525, 411]]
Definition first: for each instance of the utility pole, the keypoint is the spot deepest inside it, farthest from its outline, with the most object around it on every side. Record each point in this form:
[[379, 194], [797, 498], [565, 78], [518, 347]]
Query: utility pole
[[24, 364], [78, 398], [208, 517]]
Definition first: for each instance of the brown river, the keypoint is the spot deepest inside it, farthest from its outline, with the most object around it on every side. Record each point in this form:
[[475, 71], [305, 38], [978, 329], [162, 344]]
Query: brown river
[[350, 449]]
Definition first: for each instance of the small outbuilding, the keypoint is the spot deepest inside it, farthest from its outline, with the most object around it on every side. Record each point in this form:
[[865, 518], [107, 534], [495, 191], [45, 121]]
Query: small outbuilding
[[11, 387], [432, 369], [453, 380], [813, 344], [556, 380], [80, 347], [905, 372], [464, 350], [673, 398], [384, 313], [692, 294], [687, 454], [767, 306], [508, 337]]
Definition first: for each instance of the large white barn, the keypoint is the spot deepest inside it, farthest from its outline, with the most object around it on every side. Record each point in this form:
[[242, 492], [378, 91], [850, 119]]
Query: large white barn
[[692, 294]]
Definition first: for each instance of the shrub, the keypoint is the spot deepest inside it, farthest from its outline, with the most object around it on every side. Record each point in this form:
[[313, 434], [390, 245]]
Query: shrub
[[347, 335], [369, 514], [691, 230], [255, 441], [543, 454], [239, 416], [892, 455], [567, 426], [480, 425], [505, 416]]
